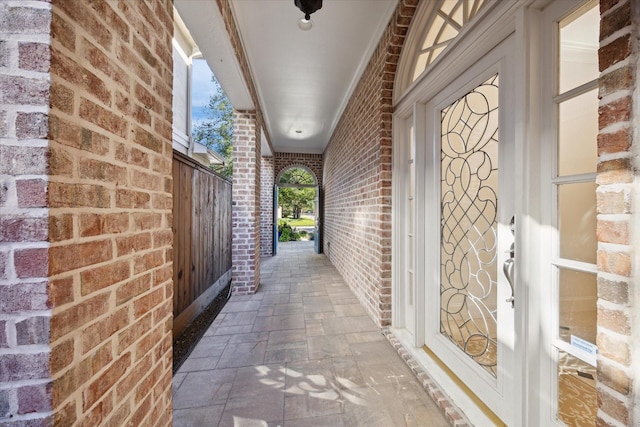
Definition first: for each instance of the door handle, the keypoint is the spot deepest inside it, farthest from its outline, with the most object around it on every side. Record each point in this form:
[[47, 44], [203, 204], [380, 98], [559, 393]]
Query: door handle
[[507, 268]]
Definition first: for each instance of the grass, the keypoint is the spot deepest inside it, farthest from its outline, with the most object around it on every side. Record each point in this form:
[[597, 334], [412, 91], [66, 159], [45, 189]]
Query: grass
[[301, 222]]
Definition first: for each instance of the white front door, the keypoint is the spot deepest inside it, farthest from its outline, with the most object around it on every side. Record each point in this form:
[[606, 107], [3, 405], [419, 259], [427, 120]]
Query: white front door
[[470, 320]]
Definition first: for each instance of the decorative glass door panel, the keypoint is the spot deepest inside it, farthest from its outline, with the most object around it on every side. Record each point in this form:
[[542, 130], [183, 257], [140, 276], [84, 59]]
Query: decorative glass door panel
[[469, 188]]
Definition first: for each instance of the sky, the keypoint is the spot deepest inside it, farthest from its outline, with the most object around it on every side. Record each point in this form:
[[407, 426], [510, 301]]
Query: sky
[[201, 90]]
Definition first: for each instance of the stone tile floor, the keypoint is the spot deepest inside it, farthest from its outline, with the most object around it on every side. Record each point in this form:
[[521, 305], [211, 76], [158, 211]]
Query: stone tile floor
[[300, 352]]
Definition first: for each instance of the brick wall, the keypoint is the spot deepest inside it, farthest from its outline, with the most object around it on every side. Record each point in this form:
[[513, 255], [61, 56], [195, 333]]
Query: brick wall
[[24, 218], [619, 122], [266, 206], [100, 160], [357, 177], [245, 245], [312, 161]]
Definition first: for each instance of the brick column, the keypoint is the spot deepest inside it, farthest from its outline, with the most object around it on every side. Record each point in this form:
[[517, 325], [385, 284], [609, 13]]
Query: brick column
[[245, 246], [24, 224], [85, 213], [617, 185], [266, 206]]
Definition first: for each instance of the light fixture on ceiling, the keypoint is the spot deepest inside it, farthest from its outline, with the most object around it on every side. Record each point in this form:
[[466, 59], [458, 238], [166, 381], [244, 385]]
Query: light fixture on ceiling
[[307, 7], [298, 131]]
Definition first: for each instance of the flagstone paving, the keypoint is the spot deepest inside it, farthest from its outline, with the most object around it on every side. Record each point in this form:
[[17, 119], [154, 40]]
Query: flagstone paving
[[300, 352]]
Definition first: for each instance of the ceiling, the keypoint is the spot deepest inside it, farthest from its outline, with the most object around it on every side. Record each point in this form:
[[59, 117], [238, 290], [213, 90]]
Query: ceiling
[[304, 78]]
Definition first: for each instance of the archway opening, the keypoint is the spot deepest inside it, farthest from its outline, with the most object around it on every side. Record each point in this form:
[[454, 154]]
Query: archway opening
[[297, 206]]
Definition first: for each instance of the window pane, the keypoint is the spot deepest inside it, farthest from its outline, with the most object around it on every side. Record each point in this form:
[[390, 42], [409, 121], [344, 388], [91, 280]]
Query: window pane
[[579, 49], [577, 221], [577, 145], [577, 404], [202, 88], [468, 224], [578, 297]]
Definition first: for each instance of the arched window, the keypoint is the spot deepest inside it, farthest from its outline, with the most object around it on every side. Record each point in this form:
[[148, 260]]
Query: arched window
[[296, 176], [437, 24]]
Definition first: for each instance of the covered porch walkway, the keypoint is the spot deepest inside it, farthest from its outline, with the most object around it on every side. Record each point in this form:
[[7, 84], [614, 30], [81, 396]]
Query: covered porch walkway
[[300, 352]]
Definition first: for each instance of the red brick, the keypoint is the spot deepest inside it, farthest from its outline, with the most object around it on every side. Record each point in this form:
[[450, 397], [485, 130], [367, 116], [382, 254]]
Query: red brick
[[24, 20], [616, 20], [102, 62], [102, 171], [148, 261], [132, 199], [23, 229], [613, 407], [69, 134], [613, 377], [63, 32], [24, 90], [104, 329], [126, 56], [147, 140], [34, 398], [61, 97], [62, 355], [21, 160], [32, 193], [614, 320], [613, 232], [101, 385], [615, 291], [614, 348], [145, 304], [33, 330], [67, 383], [134, 332], [615, 142], [614, 112], [81, 15], [614, 52], [134, 243], [61, 161], [614, 262], [613, 202], [132, 155], [61, 291], [66, 416], [24, 366], [24, 297], [72, 256], [133, 288], [34, 56], [60, 227], [74, 317], [31, 125], [99, 278], [103, 118], [67, 195], [31, 262], [615, 171]]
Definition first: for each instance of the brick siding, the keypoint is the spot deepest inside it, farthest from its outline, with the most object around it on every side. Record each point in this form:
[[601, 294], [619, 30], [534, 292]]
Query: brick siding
[[618, 60], [266, 206], [312, 161], [245, 246], [90, 129], [357, 177], [25, 90]]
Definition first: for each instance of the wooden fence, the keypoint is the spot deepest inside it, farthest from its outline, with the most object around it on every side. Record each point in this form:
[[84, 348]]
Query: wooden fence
[[202, 239]]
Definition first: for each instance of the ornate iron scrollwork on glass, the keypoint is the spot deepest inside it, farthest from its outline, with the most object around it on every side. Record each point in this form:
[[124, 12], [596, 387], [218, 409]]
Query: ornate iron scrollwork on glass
[[468, 253]]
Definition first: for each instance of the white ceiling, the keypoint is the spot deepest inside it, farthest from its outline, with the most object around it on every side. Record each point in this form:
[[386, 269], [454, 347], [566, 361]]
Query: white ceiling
[[304, 79]]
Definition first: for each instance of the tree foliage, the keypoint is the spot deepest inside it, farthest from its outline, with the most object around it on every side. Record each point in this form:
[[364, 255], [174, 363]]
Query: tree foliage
[[216, 132], [296, 200]]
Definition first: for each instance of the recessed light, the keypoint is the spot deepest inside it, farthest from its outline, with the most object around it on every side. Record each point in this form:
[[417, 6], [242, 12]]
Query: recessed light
[[298, 131], [305, 24]]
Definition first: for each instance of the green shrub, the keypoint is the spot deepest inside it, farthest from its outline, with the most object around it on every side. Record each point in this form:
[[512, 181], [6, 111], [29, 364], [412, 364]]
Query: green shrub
[[303, 233]]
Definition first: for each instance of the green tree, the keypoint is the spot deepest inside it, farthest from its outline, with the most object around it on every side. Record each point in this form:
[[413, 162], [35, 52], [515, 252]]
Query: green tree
[[216, 132], [296, 200]]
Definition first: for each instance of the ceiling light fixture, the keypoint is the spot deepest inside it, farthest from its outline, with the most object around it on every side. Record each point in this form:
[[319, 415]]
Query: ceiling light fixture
[[307, 7], [304, 24]]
